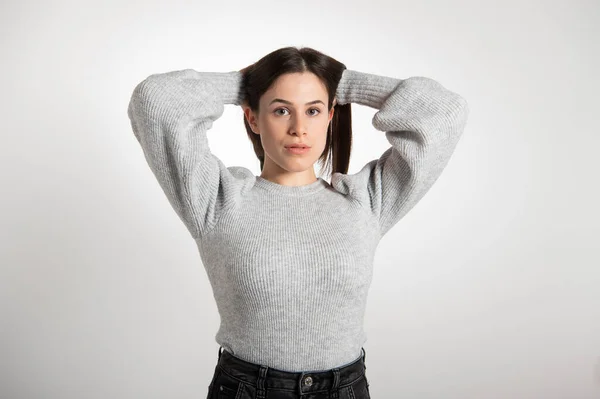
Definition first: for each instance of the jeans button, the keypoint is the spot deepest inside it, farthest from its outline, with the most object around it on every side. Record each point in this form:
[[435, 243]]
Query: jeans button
[[308, 381]]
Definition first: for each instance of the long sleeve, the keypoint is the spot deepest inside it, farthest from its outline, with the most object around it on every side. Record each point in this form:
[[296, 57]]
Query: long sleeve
[[170, 114], [422, 120]]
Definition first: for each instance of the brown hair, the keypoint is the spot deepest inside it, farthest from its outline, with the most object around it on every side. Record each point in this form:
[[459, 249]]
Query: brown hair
[[258, 78]]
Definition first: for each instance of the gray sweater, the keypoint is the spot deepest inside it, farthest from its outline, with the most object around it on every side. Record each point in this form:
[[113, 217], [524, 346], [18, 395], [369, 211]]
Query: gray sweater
[[290, 267]]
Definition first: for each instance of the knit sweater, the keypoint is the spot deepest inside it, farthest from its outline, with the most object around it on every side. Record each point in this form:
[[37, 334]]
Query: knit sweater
[[290, 266]]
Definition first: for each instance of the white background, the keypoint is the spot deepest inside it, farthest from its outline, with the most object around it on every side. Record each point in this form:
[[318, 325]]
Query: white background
[[489, 288]]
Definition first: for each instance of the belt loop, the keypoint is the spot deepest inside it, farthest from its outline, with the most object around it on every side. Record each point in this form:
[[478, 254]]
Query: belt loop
[[261, 391], [300, 381], [335, 391], [364, 355]]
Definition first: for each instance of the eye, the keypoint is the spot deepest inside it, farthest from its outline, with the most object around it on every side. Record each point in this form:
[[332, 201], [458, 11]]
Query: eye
[[285, 109]]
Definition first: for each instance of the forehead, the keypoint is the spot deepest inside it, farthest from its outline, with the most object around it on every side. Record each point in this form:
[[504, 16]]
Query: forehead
[[297, 87]]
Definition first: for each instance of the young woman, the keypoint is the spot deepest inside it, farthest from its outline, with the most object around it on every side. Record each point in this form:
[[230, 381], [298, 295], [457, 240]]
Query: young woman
[[289, 256]]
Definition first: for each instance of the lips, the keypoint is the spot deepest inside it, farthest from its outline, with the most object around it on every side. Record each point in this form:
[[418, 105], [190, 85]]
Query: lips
[[297, 146], [297, 149]]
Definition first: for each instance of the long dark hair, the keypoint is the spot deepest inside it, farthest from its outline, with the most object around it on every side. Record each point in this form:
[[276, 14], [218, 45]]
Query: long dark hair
[[258, 78]]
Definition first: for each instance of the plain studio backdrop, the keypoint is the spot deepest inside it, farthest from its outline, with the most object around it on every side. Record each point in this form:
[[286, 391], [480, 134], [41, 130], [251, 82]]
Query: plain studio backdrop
[[488, 289]]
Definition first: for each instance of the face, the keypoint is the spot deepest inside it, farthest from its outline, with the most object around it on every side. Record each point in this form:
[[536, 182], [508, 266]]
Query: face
[[292, 111]]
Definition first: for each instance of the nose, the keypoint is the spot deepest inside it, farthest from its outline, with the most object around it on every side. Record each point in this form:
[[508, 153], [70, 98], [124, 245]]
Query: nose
[[298, 125]]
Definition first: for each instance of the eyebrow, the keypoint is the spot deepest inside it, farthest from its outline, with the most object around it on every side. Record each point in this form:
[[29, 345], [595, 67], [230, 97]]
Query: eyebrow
[[287, 102]]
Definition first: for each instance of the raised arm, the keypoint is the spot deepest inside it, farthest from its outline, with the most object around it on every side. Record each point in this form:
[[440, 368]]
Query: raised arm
[[170, 114], [423, 122]]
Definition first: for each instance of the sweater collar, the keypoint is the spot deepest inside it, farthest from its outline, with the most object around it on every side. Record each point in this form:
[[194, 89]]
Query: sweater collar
[[292, 191]]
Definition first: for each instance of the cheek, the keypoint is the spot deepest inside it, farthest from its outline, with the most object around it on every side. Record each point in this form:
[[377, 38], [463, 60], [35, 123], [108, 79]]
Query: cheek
[[272, 128], [271, 138]]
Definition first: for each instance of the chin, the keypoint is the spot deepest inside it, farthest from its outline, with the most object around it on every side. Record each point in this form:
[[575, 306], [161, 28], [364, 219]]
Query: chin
[[298, 166]]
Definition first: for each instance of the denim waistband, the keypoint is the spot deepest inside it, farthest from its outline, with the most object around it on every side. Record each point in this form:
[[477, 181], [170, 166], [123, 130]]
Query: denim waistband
[[264, 377]]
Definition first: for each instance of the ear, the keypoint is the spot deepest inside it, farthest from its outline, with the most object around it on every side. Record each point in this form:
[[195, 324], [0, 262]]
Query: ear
[[250, 117]]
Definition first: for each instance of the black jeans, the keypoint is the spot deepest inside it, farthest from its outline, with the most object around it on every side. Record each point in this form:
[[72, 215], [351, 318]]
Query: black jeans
[[235, 378]]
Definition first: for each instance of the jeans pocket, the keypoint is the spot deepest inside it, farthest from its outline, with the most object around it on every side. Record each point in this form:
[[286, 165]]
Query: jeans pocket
[[212, 382], [227, 387], [226, 392], [360, 388]]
